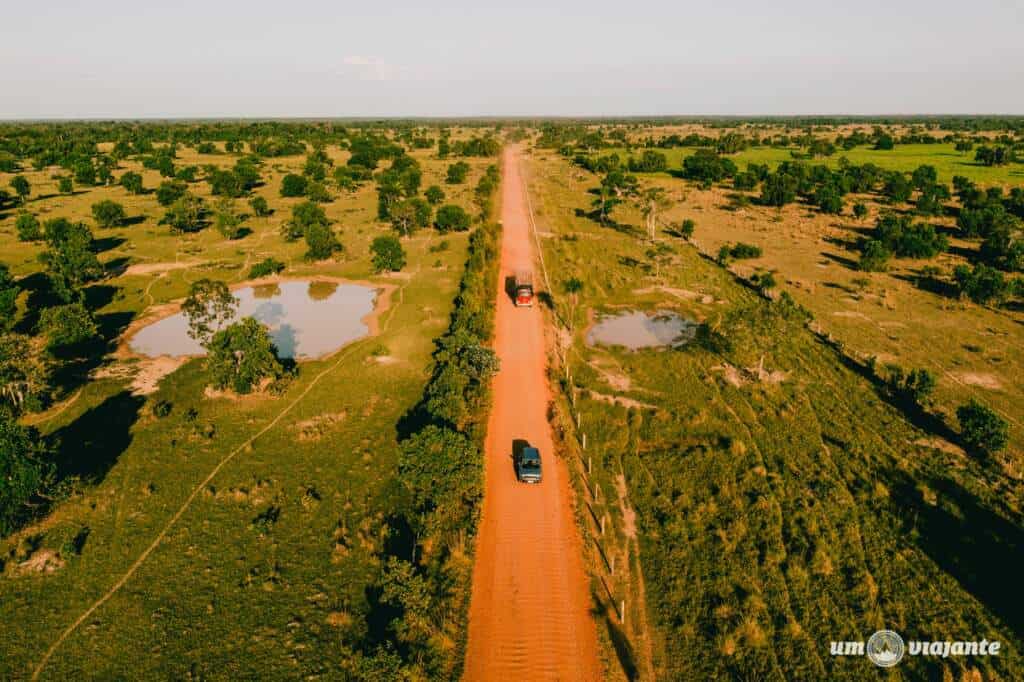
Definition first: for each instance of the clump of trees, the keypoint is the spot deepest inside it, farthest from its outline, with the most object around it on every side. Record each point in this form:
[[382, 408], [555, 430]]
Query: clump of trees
[[240, 355], [457, 172], [452, 218], [707, 166], [738, 251], [265, 268], [28, 228], [69, 258], [108, 213], [388, 254]]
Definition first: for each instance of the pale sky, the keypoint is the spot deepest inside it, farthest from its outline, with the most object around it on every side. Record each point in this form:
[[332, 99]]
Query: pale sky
[[319, 58]]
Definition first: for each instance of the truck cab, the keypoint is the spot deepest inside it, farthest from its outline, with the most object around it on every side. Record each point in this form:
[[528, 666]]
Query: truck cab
[[528, 465], [523, 289]]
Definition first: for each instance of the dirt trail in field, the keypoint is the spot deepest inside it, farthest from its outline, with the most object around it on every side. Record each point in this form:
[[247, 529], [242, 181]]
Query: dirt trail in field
[[530, 616]]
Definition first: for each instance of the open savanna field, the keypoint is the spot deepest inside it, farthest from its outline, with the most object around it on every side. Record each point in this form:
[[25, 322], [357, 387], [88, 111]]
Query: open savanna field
[[218, 535], [831, 446], [767, 490]]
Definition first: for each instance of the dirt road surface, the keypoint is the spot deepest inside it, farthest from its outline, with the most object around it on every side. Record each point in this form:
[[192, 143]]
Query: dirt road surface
[[530, 611]]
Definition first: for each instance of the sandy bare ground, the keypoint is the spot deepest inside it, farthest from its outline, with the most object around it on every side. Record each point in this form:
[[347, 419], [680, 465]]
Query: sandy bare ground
[[530, 611]]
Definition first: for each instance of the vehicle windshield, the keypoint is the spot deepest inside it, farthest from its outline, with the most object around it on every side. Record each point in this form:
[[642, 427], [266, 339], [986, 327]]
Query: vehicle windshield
[[531, 464]]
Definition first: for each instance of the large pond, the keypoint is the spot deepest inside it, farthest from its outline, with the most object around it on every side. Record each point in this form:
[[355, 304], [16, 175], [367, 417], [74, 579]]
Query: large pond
[[637, 329], [307, 319]]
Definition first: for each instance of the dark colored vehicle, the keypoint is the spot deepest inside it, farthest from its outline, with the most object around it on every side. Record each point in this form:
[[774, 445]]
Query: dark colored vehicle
[[523, 293], [528, 465]]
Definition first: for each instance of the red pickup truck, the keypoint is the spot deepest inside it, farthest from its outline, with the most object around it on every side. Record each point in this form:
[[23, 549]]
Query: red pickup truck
[[524, 288]]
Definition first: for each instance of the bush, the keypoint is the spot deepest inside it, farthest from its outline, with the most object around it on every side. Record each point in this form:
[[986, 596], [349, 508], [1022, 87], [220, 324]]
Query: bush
[[132, 182], [388, 254], [860, 211], [739, 251], [982, 430], [687, 227], [241, 356], [321, 242], [259, 207], [779, 189], [874, 257], [293, 185], [434, 195], [67, 326], [265, 268], [65, 185], [303, 215], [25, 470], [185, 214], [457, 173], [982, 284], [707, 167], [452, 218], [170, 191], [108, 213], [908, 240], [28, 228]]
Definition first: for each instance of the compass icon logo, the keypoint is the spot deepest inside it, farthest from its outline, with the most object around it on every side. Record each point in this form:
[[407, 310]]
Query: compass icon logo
[[885, 648]]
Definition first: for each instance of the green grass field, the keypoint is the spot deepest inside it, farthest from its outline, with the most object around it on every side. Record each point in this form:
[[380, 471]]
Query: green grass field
[[781, 502], [266, 572], [905, 157]]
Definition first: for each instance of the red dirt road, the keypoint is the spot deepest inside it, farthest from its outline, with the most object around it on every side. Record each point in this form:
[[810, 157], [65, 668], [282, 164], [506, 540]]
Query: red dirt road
[[529, 617]]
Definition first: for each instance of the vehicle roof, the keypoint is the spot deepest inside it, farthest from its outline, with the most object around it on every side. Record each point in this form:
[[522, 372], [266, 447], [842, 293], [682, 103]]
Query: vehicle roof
[[530, 453]]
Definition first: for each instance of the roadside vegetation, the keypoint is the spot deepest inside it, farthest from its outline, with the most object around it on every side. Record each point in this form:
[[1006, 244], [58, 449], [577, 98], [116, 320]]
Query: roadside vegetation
[[786, 493]]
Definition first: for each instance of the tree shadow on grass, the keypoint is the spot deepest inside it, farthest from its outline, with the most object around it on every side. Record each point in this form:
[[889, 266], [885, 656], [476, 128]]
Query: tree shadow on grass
[[107, 243], [978, 547], [846, 262], [931, 284], [92, 444]]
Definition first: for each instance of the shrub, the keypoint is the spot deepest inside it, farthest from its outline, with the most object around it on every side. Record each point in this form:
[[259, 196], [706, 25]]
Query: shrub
[[28, 228], [65, 185], [860, 211], [132, 182], [321, 242], [452, 218], [779, 189], [265, 268], [67, 326], [242, 355], [293, 185], [982, 430], [457, 173], [259, 207], [982, 284], [434, 195], [706, 166], [388, 254], [185, 214], [874, 256], [687, 227], [108, 213], [170, 191], [303, 215], [908, 240], [25, 470]]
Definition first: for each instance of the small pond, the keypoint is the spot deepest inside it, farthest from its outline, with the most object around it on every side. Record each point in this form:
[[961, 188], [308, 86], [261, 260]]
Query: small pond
[[637, 329], [307, 319]]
